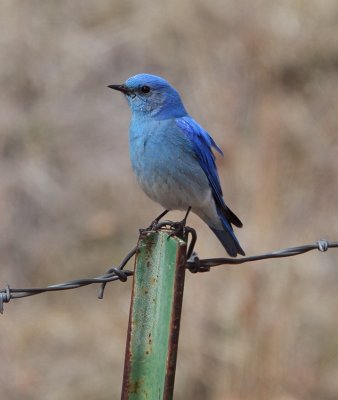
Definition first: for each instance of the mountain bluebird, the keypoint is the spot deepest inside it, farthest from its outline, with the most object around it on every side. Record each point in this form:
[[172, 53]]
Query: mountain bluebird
[[172, 158]]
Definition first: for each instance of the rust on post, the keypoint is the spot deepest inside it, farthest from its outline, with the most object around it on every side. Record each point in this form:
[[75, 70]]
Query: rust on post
[[175, 323], [154, 319]]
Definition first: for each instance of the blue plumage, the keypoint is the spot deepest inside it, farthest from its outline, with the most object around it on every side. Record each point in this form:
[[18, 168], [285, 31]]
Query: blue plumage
[[171, 155]]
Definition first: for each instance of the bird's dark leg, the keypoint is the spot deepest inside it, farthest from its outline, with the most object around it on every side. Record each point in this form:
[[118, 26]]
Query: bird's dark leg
[[157, 219], [179, 226], [184, 220], [154, 224]]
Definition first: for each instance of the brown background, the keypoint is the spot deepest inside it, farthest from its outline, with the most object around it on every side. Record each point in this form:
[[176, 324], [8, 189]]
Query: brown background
[[262, 78]]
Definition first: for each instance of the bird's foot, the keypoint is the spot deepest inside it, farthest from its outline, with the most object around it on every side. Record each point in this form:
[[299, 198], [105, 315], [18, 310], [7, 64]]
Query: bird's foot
[[179, 226], [155, 224]]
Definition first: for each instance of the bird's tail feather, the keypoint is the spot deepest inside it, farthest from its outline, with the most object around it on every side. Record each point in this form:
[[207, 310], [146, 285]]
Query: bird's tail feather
[[228, 239]]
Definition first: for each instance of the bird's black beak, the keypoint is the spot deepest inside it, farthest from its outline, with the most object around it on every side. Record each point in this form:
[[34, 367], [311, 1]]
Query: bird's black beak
[[120, 88]]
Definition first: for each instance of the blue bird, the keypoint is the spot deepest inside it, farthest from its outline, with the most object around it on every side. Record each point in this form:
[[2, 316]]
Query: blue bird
[[172, 158]]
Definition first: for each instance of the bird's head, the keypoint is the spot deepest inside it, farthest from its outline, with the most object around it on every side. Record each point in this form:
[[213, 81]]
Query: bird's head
[[152, 95]]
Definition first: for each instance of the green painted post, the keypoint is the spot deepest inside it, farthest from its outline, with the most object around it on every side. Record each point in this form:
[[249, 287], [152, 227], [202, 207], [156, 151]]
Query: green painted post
[[154, 320]]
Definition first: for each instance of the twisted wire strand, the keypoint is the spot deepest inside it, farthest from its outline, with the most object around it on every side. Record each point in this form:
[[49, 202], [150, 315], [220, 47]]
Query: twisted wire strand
[[194, 264], [113, 274]]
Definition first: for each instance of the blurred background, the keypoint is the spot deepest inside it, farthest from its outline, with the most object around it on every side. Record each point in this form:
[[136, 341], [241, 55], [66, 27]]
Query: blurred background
[[262, 78]]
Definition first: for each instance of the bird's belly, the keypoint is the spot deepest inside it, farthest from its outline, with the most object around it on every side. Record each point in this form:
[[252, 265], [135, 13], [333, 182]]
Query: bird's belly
[[170, 177], [167, 190]]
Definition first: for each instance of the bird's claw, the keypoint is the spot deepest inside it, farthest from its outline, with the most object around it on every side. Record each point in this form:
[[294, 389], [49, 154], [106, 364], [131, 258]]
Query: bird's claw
[[152, 227], [155, 225], [178, 228]]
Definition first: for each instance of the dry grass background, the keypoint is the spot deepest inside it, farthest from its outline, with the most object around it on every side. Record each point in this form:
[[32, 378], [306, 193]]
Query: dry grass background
[[262, 77]]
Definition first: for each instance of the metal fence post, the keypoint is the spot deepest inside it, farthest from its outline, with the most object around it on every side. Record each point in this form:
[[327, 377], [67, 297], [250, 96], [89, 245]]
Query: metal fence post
[[154, 319]]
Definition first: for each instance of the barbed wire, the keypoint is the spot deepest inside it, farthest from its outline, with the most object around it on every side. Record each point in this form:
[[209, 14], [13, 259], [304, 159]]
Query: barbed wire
[[113, 274], [194, 264]]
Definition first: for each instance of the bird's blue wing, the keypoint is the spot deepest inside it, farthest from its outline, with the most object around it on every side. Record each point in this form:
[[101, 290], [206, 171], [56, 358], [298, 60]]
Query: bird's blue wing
[[202, 144]]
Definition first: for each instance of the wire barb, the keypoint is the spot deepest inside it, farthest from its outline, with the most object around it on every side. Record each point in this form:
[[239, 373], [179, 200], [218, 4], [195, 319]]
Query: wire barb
[[118, 271], [5, 297], [323, 245]]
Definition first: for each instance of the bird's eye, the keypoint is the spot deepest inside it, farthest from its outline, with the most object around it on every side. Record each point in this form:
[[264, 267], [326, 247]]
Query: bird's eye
[[145, 89]]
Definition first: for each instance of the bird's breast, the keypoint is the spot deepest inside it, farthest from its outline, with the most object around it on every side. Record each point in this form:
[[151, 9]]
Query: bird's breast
[[165, 165], [151, 146]]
